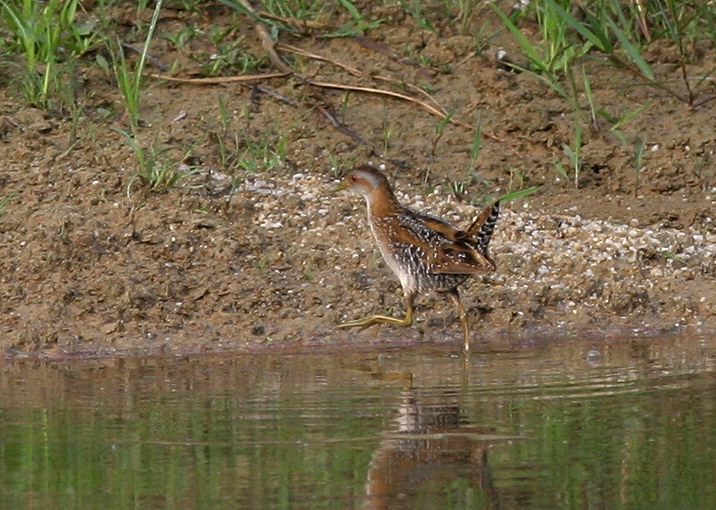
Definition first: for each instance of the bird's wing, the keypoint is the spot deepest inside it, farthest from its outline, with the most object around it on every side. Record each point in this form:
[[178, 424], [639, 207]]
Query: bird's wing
[[439, 226], [461, 258], [442, 246], [480, 230]]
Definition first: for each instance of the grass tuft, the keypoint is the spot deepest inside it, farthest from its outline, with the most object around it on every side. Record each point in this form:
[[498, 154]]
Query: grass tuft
[[5, 201], [155, 171], [130, 81], [48, 36], [620, 32], [574, 156]]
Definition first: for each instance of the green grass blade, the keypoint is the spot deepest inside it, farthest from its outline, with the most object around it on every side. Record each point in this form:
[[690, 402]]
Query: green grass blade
[[590, 96], [628, 117], [525, 44], [631, 50], [241, 9], [352, 10], [519, 194], [147, 42], [5, 201], [21, 27], [570, 20]]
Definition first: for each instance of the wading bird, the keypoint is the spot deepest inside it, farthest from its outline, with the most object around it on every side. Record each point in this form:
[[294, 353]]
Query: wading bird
[[425, 253]]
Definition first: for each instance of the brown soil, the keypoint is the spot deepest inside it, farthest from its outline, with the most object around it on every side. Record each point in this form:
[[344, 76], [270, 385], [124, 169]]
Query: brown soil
[[91, 261]]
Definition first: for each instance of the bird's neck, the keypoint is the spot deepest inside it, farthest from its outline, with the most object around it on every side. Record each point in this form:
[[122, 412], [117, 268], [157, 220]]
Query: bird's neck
[[382, 203]]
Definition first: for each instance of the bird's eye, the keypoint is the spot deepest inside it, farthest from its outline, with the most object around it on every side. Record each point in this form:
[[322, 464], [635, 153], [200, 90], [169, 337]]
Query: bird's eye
[[354, 178]]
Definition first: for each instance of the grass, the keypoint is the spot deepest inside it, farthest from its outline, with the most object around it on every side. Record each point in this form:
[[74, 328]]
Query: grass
[[517, 178], [607, 26], [459, 188], [47, 35], [574, 156], [130, 80], [181, 39], [541, 63], [264, 152], [231, 55], [50, 41], [705, 170], [439, 130], [475, 148], [515, 196], [618, 122], [220, 134], [358, 25], [621, 32], [587, 84], [388, 134], [129, 83], [639, 148], [238, 148], [155, 171], [466, 9], [5, 201], [291, 16], [415, 9]]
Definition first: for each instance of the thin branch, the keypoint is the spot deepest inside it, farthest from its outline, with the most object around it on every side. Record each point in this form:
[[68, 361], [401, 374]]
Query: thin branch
[[705, 100], [358, 73], [267, 42], [299, 51], [155, 62], [411, 87], [275, 95], [271, 47], [220, 79], [381, 92], [338, 125]]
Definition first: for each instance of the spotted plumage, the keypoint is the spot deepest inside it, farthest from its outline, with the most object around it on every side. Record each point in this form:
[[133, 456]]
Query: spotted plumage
[[426, 253]]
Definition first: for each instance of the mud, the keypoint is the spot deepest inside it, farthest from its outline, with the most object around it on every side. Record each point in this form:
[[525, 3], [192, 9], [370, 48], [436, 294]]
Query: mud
[[237, 258]]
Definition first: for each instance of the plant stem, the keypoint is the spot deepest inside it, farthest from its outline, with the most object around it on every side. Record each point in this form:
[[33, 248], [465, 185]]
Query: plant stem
[[145, 51]]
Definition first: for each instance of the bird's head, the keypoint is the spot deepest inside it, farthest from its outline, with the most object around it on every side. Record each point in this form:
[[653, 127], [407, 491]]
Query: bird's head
[[365, 180]]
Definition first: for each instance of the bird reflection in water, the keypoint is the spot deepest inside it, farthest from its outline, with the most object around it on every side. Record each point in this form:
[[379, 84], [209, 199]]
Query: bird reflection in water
[[431, 457]]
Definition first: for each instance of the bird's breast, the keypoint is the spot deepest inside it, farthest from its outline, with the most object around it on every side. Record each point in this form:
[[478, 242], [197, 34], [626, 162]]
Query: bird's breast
[[393, 253]]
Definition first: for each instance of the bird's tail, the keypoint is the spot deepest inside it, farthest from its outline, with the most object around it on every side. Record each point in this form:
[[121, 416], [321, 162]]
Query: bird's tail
[[481, 229]]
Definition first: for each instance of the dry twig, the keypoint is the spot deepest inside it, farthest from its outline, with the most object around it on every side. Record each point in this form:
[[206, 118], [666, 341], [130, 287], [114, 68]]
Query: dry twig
[[381, 92], [270, 92], [327, 112], [315, 56], [267, 42], [220, 79], [358, 73]]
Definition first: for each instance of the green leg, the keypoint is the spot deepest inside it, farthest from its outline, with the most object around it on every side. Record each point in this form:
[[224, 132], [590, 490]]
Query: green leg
[[382, 319], [455, 298]]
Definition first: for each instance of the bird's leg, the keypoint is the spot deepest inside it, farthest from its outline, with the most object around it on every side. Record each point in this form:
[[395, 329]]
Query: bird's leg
[[382, 319], [455, 298]]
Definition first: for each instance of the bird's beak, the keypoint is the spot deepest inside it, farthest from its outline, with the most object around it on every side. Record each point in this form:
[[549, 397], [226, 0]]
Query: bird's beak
[[341, 187]]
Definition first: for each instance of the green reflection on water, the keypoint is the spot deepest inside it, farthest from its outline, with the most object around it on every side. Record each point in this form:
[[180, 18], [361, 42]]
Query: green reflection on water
[[528, 428]]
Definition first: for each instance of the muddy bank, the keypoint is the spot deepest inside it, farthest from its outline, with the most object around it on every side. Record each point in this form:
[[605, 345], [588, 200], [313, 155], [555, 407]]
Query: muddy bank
[[283, 261], [264, 254]]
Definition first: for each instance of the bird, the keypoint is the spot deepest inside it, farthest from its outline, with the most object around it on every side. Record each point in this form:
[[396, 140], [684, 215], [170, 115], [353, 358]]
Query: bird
[[426, 253]]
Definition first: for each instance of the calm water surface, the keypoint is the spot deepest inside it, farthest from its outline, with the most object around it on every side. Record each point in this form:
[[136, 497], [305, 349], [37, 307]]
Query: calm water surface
[[613, 424]]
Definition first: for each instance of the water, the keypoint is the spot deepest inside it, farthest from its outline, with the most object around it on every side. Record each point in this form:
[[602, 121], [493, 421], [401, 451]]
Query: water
[[563, 424]]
